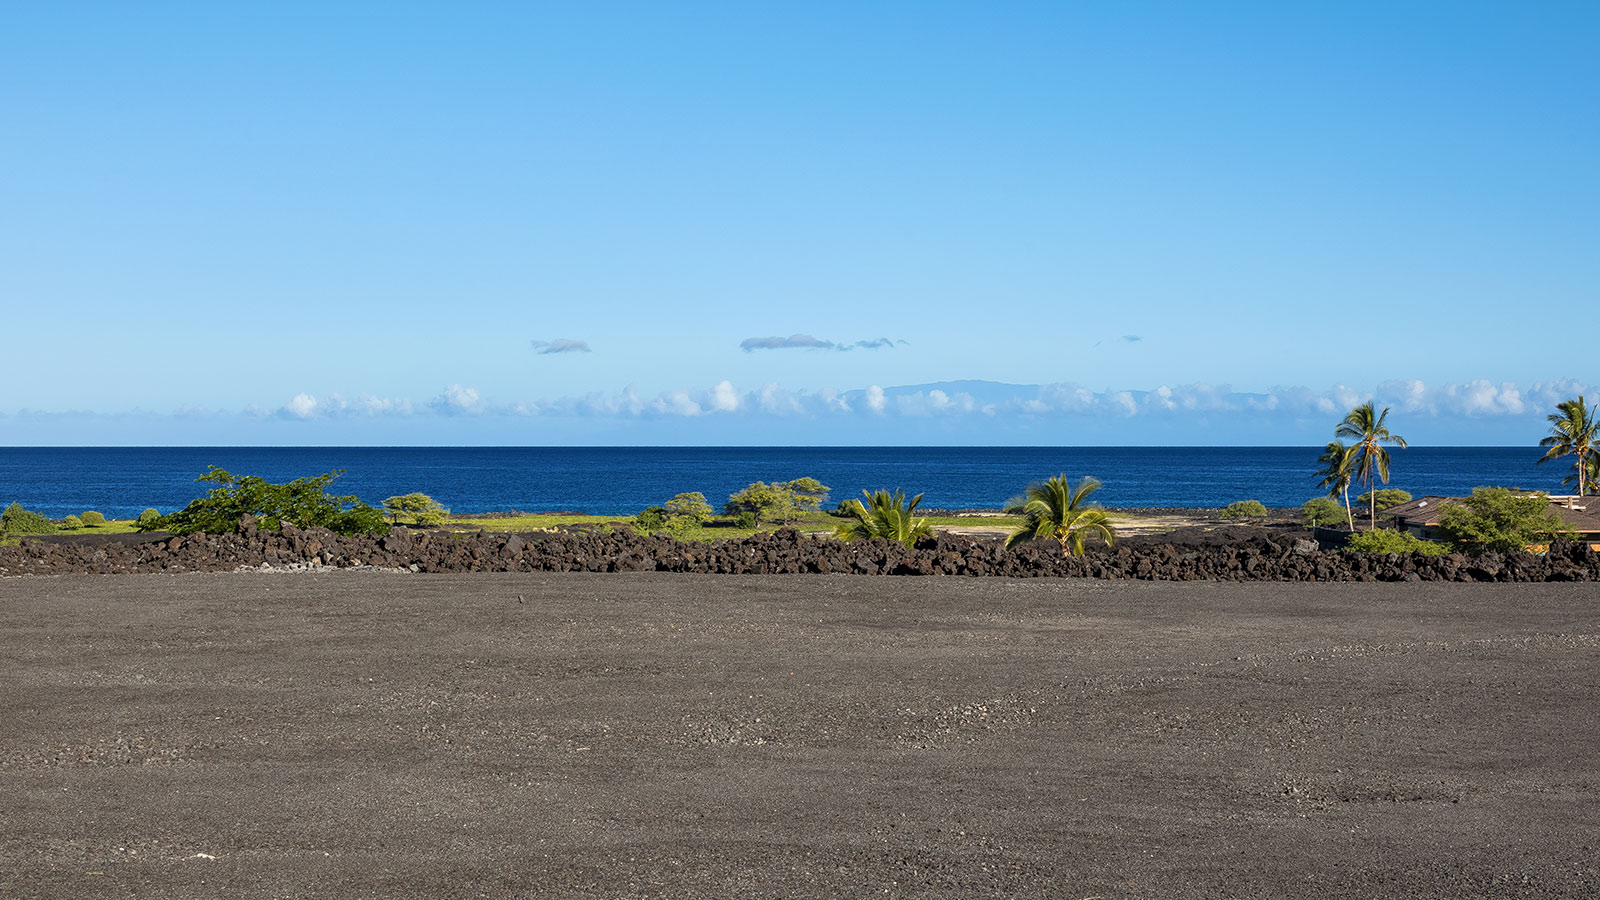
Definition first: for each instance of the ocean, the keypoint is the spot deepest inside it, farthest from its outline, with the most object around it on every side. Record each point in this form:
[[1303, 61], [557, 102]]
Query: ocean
[[122, 481]]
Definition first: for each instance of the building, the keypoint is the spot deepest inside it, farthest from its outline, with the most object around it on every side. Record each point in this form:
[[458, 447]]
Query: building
[[1421, 516]]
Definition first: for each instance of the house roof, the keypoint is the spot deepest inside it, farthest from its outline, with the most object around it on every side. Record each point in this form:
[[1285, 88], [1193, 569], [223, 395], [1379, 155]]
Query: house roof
[[1581, 514]]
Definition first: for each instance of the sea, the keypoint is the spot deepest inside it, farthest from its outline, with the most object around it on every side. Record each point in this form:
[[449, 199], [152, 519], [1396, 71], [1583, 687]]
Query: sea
[[122, 481]]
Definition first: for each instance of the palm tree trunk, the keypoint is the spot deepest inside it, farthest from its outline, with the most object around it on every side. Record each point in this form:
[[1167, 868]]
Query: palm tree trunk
[[1349, 514]]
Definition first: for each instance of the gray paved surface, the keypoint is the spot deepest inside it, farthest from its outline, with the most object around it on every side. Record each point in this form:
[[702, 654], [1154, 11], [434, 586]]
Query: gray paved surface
[[374, 735]]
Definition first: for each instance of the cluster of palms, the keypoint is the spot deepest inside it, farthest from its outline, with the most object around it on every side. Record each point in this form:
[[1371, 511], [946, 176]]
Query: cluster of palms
[[1362, 461], [1574, 431], [1053, 508]]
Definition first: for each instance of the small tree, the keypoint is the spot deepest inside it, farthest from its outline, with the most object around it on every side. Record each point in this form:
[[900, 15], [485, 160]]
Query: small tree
[[760, 501], [1054, 508], [780, 501], [71, 523], [1244, 509], [1338, 466], [1383, 498], [304, 502], [92, 519], [1321, 511], [16, 520], [808, 494], [885, 515], [149, 520], [1496, 519], [422, 509], [691, 506]]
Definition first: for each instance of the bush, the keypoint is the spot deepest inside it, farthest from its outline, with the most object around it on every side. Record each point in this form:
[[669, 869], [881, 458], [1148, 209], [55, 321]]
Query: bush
[[16, 520], [745, 520], [1322, 511], [71, 523], [1387, 497], [651, 518], [1244, 509], [1496, 519], [422, 509], [691, 506], [92, 519], [1385, 540], [680, 515], [149, 520], [779, 501], [304, 502]]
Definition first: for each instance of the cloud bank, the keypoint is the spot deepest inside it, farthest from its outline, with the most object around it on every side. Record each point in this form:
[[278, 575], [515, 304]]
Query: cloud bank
[[1063, 413], [1473, 399]]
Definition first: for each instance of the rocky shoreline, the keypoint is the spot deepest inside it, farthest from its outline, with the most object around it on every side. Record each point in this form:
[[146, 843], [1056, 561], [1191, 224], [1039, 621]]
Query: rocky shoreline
[[1261, 556]]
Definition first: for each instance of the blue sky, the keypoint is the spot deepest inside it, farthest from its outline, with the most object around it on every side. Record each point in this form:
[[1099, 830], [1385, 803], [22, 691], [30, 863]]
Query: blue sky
[[1133, 223]]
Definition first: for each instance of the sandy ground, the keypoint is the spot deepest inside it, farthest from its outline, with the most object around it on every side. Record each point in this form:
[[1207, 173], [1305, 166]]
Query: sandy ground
[[1127, 525], [376, 735]]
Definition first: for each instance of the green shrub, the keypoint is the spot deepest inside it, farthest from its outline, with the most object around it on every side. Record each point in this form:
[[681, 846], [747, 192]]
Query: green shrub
[[746, 520], [1385, 540], [1322, 511], [1244, 509], [779, 501], [691, 506], [304, 502], [71, 523], [16, 520], [92, 519], [1496, 519], [1387, 497], [149, 520], [651, 518], [422, 509]]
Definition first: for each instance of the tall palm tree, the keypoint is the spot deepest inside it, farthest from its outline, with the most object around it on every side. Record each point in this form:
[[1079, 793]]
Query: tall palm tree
[[1573, 433], [1593, 473], [884, 515], [1056, 509], [1366, 425], [1338, 464]]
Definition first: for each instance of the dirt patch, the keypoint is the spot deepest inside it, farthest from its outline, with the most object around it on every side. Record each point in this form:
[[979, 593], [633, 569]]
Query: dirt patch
[[349, 734]]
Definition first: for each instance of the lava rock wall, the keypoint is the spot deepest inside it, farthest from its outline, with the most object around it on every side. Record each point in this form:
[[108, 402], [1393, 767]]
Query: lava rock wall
[[781, 553]]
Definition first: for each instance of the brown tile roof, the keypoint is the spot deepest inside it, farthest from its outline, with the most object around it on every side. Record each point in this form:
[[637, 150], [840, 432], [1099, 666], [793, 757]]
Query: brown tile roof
[[1583, 516]]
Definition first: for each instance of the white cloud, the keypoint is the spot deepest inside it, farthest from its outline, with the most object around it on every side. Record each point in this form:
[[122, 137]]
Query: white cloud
[[1410, 400], [774, 400], [456, 400], [677, 403], [724, 398], [301, 406]]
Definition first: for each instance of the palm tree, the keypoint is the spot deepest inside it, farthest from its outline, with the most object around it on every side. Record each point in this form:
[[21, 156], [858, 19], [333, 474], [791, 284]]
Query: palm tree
[[884, 515], [1338, 460], [1055, 509], [1572, 433], [1366, 425], [1593, 474]]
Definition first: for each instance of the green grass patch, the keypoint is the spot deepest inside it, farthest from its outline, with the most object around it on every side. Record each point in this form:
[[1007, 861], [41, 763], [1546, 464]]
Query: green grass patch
[[112, 526], [534, 522], [958, 521]]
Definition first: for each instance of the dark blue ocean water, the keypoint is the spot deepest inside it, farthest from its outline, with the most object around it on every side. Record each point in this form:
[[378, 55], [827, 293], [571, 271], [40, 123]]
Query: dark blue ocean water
[[121, 481]]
